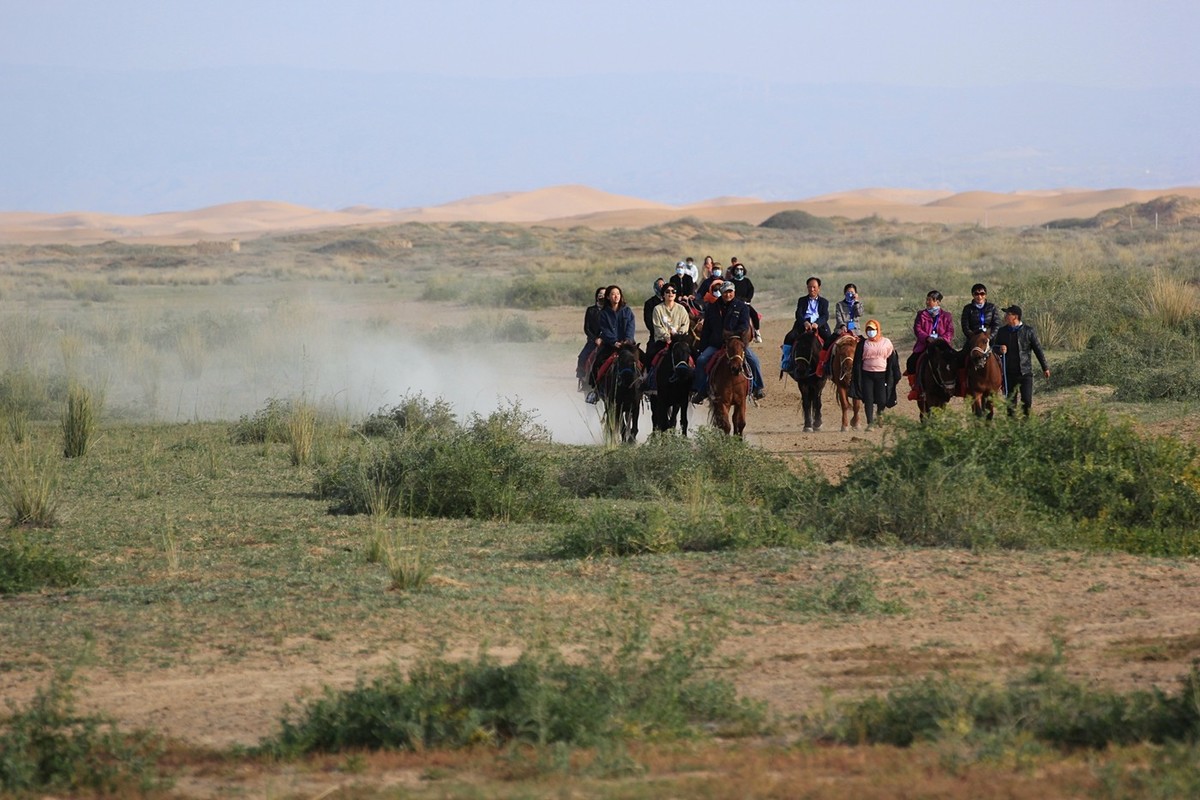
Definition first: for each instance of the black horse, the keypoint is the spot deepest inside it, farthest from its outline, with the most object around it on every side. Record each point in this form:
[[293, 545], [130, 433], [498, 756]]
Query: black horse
[[937, 371], [806, 354], [673, 382], [621, 393]]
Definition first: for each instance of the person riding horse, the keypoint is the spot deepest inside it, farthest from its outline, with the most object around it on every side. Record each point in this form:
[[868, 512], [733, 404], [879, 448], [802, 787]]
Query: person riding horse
[[667, 319], [726, 315], [978, 316], [933, 327], [617, 326]]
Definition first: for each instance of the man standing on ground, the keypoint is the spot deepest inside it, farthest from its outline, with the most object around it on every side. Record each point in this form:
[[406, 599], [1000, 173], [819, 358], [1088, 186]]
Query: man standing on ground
[[1015, 341]]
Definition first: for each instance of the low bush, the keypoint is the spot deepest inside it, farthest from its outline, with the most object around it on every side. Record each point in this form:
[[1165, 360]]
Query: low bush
[[412, 413], [1070, 476], [268, 424], [1144, 361], [851, 594], [49, 747], [628, 693], [494, 467], [1044, 704], [27, 568]]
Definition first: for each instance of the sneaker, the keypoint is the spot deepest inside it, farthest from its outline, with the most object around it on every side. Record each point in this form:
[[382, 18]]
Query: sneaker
[[758, 337], [591, 397], [698, 398], [759, 394]]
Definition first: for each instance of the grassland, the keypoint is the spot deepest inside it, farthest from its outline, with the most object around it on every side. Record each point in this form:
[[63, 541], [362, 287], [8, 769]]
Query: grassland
[[210, 586]]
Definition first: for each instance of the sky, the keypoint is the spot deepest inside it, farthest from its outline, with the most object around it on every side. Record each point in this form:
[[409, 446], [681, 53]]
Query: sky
[[631, 97]]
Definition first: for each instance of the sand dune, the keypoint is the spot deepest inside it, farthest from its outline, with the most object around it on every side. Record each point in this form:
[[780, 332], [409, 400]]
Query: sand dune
[[566, 206]]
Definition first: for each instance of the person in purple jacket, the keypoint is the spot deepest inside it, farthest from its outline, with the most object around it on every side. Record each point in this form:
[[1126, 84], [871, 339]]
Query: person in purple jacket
[[933, 326]]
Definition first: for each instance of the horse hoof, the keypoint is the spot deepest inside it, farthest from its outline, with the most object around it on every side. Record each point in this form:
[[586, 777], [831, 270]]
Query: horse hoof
[[807, 429], [844, 429]]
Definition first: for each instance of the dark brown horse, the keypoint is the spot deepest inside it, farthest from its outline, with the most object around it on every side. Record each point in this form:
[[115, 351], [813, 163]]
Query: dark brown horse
[[937, 371], [730, 386], [621, 392], [841, 369], [984, 375], [673, 385], [806, 354]]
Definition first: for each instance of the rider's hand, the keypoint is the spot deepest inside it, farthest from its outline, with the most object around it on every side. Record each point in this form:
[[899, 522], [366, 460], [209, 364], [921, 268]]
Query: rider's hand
[[1003, 349]]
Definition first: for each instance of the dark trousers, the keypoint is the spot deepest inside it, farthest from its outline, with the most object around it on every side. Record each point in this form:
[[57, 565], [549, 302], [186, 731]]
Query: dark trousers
[[874, 391], [1023, 384]]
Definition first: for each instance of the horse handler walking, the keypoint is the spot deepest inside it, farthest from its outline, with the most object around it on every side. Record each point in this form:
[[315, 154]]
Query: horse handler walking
[[1015, 341]]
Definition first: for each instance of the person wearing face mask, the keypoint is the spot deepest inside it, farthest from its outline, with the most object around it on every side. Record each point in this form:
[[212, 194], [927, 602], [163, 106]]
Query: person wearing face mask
[[709, 289], [744, 290], [876, 372], [684, 283], [1015, 342], [648, 308], [933, 326], [591, 330], [847, 314]]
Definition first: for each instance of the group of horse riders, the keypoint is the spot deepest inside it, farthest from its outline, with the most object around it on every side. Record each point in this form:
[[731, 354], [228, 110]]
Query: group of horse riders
[[686, 304], [716, 306]]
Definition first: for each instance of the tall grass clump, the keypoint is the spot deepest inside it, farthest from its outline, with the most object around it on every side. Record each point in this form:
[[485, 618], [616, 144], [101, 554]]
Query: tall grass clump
[[48, 746], [79, 421], [29, 485], [302, 431], [1067, 477], [635, 691], [1172, 302], [494, 467], [1142, 361]]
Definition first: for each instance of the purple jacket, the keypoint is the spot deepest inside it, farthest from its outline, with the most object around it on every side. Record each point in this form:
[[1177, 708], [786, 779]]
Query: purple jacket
[[925, 325]]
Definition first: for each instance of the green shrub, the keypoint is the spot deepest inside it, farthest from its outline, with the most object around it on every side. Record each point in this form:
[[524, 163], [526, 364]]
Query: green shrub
[[268, 424], [48, 747], [541, 698], [852, 593], [27, 568], [496, 467], [1044, 704], [412, 413], [1143, 361], [1070, 476]]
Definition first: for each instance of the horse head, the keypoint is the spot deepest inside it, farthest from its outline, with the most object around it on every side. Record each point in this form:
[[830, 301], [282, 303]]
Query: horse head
[[806, 353], [942, 368], [680, 354], [981, 350], [629, 366], [735, 351]]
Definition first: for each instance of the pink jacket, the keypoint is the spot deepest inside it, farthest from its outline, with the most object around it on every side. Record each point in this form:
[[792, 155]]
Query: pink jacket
[[925, 325]]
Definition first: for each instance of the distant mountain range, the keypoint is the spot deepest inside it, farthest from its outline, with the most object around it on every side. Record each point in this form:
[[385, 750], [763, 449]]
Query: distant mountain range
[[132, 142]]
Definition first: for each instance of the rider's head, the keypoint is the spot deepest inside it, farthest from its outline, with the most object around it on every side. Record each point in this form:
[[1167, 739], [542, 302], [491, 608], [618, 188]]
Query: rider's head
[[814, 286], [728, 291], [601, 293], [668, 293], [614, 296]]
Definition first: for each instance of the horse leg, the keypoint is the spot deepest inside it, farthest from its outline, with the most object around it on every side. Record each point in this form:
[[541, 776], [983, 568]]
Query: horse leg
[[683, 415], [817, 392], [843, 399], [806, 402], [720, 414], [857, 405], [739, 416]]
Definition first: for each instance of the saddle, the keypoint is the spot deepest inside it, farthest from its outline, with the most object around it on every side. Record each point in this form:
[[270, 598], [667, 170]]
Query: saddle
[[604, 368]]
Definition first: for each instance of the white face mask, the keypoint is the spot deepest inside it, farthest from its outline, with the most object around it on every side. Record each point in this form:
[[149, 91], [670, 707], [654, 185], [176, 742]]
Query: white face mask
[[680, 270], [872, 333]]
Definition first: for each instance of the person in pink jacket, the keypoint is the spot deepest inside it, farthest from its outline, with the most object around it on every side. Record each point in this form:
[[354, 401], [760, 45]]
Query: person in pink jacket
[[933, 324]]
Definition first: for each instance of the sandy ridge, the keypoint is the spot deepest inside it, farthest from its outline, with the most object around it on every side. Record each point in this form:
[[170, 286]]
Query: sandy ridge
[[566, 206]]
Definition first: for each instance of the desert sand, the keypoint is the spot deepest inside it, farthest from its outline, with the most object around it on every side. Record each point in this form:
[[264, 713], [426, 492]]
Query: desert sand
[[567, 206]]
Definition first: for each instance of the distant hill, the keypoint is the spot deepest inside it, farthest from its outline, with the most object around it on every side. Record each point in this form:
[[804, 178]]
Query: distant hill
[[1167, 211]]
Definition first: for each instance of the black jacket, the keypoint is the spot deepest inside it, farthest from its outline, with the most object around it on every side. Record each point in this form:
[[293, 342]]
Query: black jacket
[[970, 322], [1022, 339], [822, 315]]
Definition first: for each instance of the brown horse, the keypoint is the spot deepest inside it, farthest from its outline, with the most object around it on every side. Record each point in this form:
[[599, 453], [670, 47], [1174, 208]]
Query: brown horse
[[841, 369], [984, 375], [730, 387], [938, 374]]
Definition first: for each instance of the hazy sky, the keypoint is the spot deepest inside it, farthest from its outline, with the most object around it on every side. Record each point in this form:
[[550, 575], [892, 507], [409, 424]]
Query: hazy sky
[[924, 45], [921, 43]]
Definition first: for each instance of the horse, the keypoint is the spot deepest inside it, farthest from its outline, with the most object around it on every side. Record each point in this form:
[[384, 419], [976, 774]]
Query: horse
[[621, 393], [984, 374], [806, 354], [938, 373], [730, 386], [841, 368], [673, 382]]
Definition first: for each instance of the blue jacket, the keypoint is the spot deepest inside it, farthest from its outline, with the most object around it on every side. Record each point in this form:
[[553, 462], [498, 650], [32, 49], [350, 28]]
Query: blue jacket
[[617, 326]]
